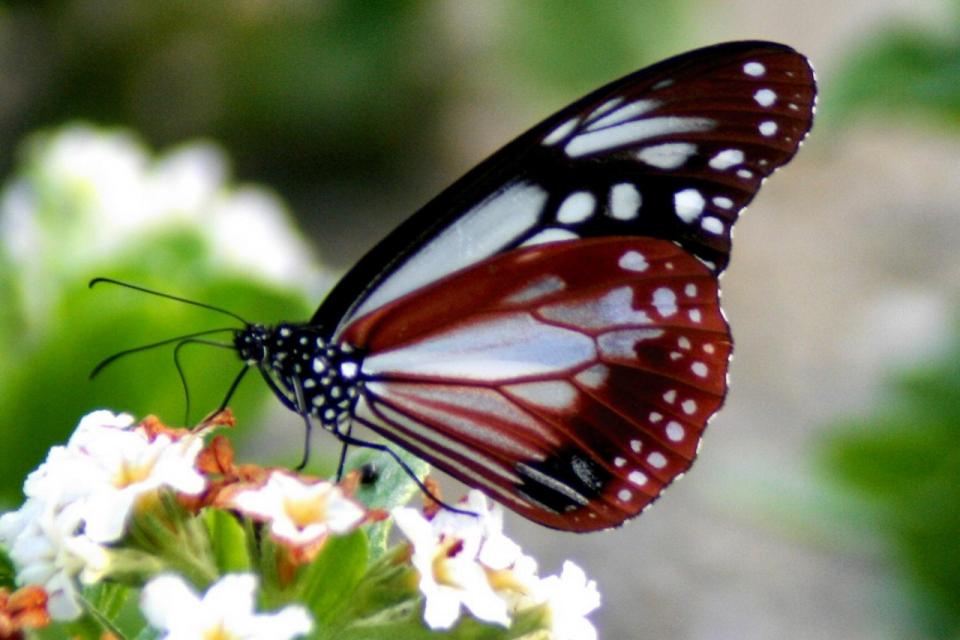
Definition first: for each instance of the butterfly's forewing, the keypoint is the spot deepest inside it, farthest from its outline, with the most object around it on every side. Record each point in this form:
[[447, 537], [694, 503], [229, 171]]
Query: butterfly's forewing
[[570, 381], [673, 151]]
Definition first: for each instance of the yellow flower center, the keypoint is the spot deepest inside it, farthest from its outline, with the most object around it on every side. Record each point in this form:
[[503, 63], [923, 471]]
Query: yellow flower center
[[130, 474], [305, 512], [219, 633], [505, 580], [441, 565]]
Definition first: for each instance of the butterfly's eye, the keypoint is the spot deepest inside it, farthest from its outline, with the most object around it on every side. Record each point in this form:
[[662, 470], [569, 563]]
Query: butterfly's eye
[[250, 344]]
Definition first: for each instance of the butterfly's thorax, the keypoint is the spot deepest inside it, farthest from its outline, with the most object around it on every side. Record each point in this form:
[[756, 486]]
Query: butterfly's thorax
[[311, 375]]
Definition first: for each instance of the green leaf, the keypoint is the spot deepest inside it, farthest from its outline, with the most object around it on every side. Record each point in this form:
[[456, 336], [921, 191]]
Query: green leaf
[[327, 584], [228, 540], [391, 487], [7, 571], [408, 624]]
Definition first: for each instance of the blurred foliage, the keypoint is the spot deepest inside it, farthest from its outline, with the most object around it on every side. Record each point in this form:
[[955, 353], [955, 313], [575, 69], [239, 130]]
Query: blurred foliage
[[86, 203], [317, 99], [902, 465], [905, 72]]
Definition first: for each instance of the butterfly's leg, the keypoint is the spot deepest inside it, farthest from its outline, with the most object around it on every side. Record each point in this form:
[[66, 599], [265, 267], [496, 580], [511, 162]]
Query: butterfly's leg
[[308, 424], [347, 439], [343, 453]]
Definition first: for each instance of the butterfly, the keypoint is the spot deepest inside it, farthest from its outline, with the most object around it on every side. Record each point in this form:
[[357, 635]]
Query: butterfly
[[548, 329]]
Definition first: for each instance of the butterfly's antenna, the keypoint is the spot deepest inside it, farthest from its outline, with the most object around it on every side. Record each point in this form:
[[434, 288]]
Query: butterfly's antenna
[[107, 361], [168, 296], [183, 378]]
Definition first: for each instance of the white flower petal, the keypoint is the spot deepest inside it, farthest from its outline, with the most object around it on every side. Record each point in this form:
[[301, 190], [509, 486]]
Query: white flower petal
[[232, 593], [442, 608], [228, 606], [289, 622], [167, 599]]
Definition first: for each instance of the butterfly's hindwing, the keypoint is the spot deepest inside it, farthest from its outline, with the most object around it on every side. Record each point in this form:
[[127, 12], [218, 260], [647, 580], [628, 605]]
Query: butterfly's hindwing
[[572, 394]]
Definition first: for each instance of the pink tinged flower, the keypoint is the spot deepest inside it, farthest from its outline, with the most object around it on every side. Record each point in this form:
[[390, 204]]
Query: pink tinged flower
[[570, 597], [225, 611], [300, 512], [450, 575]]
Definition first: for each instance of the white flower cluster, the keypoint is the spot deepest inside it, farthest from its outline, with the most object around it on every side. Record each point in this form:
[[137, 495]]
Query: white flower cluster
[[87, 193], [81, 497], [467, 561]]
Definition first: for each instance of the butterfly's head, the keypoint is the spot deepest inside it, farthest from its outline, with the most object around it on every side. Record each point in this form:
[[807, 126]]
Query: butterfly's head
[[251, 343], [284, 347]]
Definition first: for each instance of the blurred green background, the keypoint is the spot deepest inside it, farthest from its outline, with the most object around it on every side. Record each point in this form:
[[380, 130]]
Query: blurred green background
[[245, 153]]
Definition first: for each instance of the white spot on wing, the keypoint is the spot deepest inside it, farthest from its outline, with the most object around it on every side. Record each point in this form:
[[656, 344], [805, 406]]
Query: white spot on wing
[[688, 204], [765, 97], [665, 301], [632, 132], [625, 201], [537, 289], [726, 159], [695, 315], [768, 128], [560, 132], [699, 369], [689, 406], [636, 445], [668, 155], [606, 106], [657, 460], [633, 261], [723, 202], [550, 235], [556, 395], [623, 344], [754, 69], [615, 309], [576, 207], [675, 431], [594, 377], [638, 478], [712, 225], [624, 495], [670, 396], [622, 114]]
